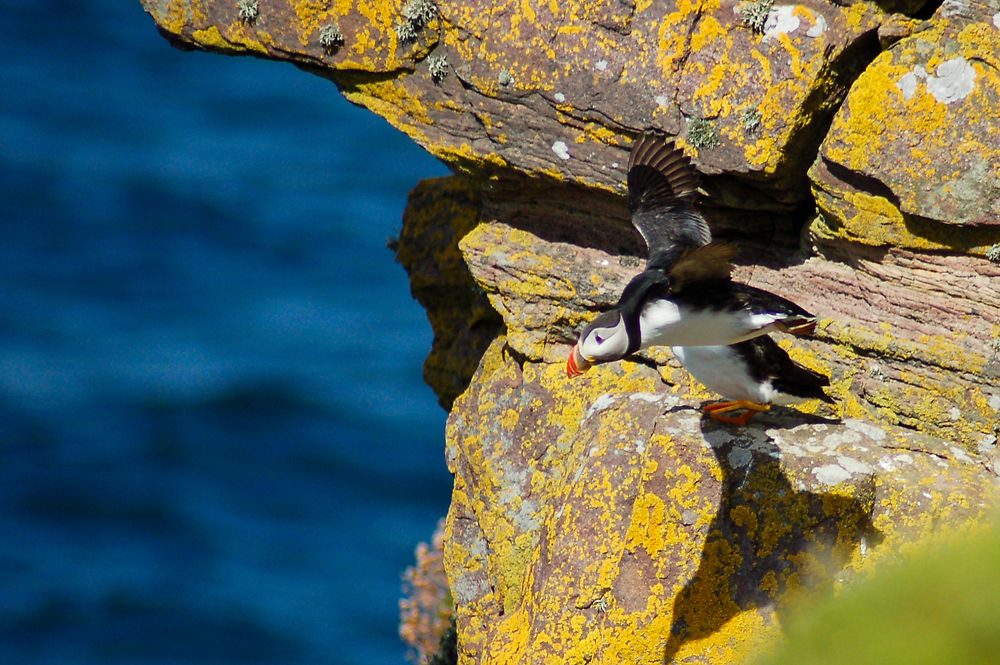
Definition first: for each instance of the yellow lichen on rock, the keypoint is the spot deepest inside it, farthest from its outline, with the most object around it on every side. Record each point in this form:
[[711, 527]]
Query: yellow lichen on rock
[[177, 14], [238, 39], [619, 526], [902, 124]]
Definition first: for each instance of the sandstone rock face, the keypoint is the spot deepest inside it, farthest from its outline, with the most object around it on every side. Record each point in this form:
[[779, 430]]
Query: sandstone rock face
[[852, 151], [611, 523], [439, 213]]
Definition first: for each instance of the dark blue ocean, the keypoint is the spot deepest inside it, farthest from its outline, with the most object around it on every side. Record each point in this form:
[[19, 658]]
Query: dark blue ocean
[[215, 442]]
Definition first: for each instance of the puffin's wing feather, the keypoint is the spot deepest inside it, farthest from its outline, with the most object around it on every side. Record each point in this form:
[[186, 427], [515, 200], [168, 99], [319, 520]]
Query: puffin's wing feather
[[711, 262], [661, 186]]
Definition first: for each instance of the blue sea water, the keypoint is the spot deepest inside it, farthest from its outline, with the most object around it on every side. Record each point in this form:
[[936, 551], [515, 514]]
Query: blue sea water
[[215, 443]]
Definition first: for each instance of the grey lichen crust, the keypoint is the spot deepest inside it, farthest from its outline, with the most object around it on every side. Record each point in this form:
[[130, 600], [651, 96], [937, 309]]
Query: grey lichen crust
[[417, 14], [331, 37], [248, 10], [755, 14], [750, 119], [702, 134], [437, 66]]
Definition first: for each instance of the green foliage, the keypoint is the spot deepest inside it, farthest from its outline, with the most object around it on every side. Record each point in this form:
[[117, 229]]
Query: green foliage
[[940, 606]]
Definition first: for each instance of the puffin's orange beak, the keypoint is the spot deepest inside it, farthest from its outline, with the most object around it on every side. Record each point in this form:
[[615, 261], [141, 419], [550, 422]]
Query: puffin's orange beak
[[576, 364]]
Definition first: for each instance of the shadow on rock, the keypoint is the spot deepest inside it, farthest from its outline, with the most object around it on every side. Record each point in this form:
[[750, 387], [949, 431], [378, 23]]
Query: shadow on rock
[[777, 417], [771, 538]]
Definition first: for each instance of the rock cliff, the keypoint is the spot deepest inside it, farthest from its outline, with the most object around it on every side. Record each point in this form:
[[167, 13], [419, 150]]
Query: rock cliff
[[853, 151]]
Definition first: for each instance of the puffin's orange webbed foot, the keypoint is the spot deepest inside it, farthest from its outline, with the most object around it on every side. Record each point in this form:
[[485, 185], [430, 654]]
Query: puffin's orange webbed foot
[[717, 410]]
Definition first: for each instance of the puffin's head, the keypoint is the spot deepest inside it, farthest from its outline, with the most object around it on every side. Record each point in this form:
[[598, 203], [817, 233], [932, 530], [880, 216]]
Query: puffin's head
[[603, 340]]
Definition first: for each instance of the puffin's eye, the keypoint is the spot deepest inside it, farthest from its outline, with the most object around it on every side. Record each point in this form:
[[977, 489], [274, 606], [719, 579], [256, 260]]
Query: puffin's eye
[[598, 338]]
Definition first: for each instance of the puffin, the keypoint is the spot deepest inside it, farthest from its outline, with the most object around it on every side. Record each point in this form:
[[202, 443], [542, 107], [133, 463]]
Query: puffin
[[751, 376], [684, 296]]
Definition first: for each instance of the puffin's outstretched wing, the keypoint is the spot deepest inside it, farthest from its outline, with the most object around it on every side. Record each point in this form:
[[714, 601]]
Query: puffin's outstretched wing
[[661, 187], [705, 263]]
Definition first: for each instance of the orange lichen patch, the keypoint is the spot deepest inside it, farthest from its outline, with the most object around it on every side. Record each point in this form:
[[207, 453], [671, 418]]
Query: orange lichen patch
[[873, 219], [509, 38], [671, 47]]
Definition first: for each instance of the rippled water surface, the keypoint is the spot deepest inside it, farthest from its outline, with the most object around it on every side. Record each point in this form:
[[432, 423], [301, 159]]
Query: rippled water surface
[[215, 443]]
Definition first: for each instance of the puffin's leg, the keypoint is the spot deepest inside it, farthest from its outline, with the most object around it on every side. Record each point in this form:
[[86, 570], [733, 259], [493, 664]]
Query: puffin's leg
[[751, 409]]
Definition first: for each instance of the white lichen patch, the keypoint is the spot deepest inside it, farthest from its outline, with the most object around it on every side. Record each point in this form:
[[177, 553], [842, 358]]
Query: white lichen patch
[[953, 81], [818, 28], [781, 20], [950, 8], [994, 401], [601, 65], [867, 429], [526, 517], [996, 19], [645, 397], [559, 97], [907, 83], [852, 465], [559, 147], [842, 439], [661, 100], [600, 404], [831, 474], [960, 454]]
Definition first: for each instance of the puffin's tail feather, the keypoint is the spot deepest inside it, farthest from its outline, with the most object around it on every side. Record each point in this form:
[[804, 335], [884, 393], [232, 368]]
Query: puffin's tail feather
[[798, 325]]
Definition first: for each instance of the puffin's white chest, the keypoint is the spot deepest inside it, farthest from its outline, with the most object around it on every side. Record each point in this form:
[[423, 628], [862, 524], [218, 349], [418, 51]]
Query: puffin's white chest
[[664, 323], [723, 371]]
